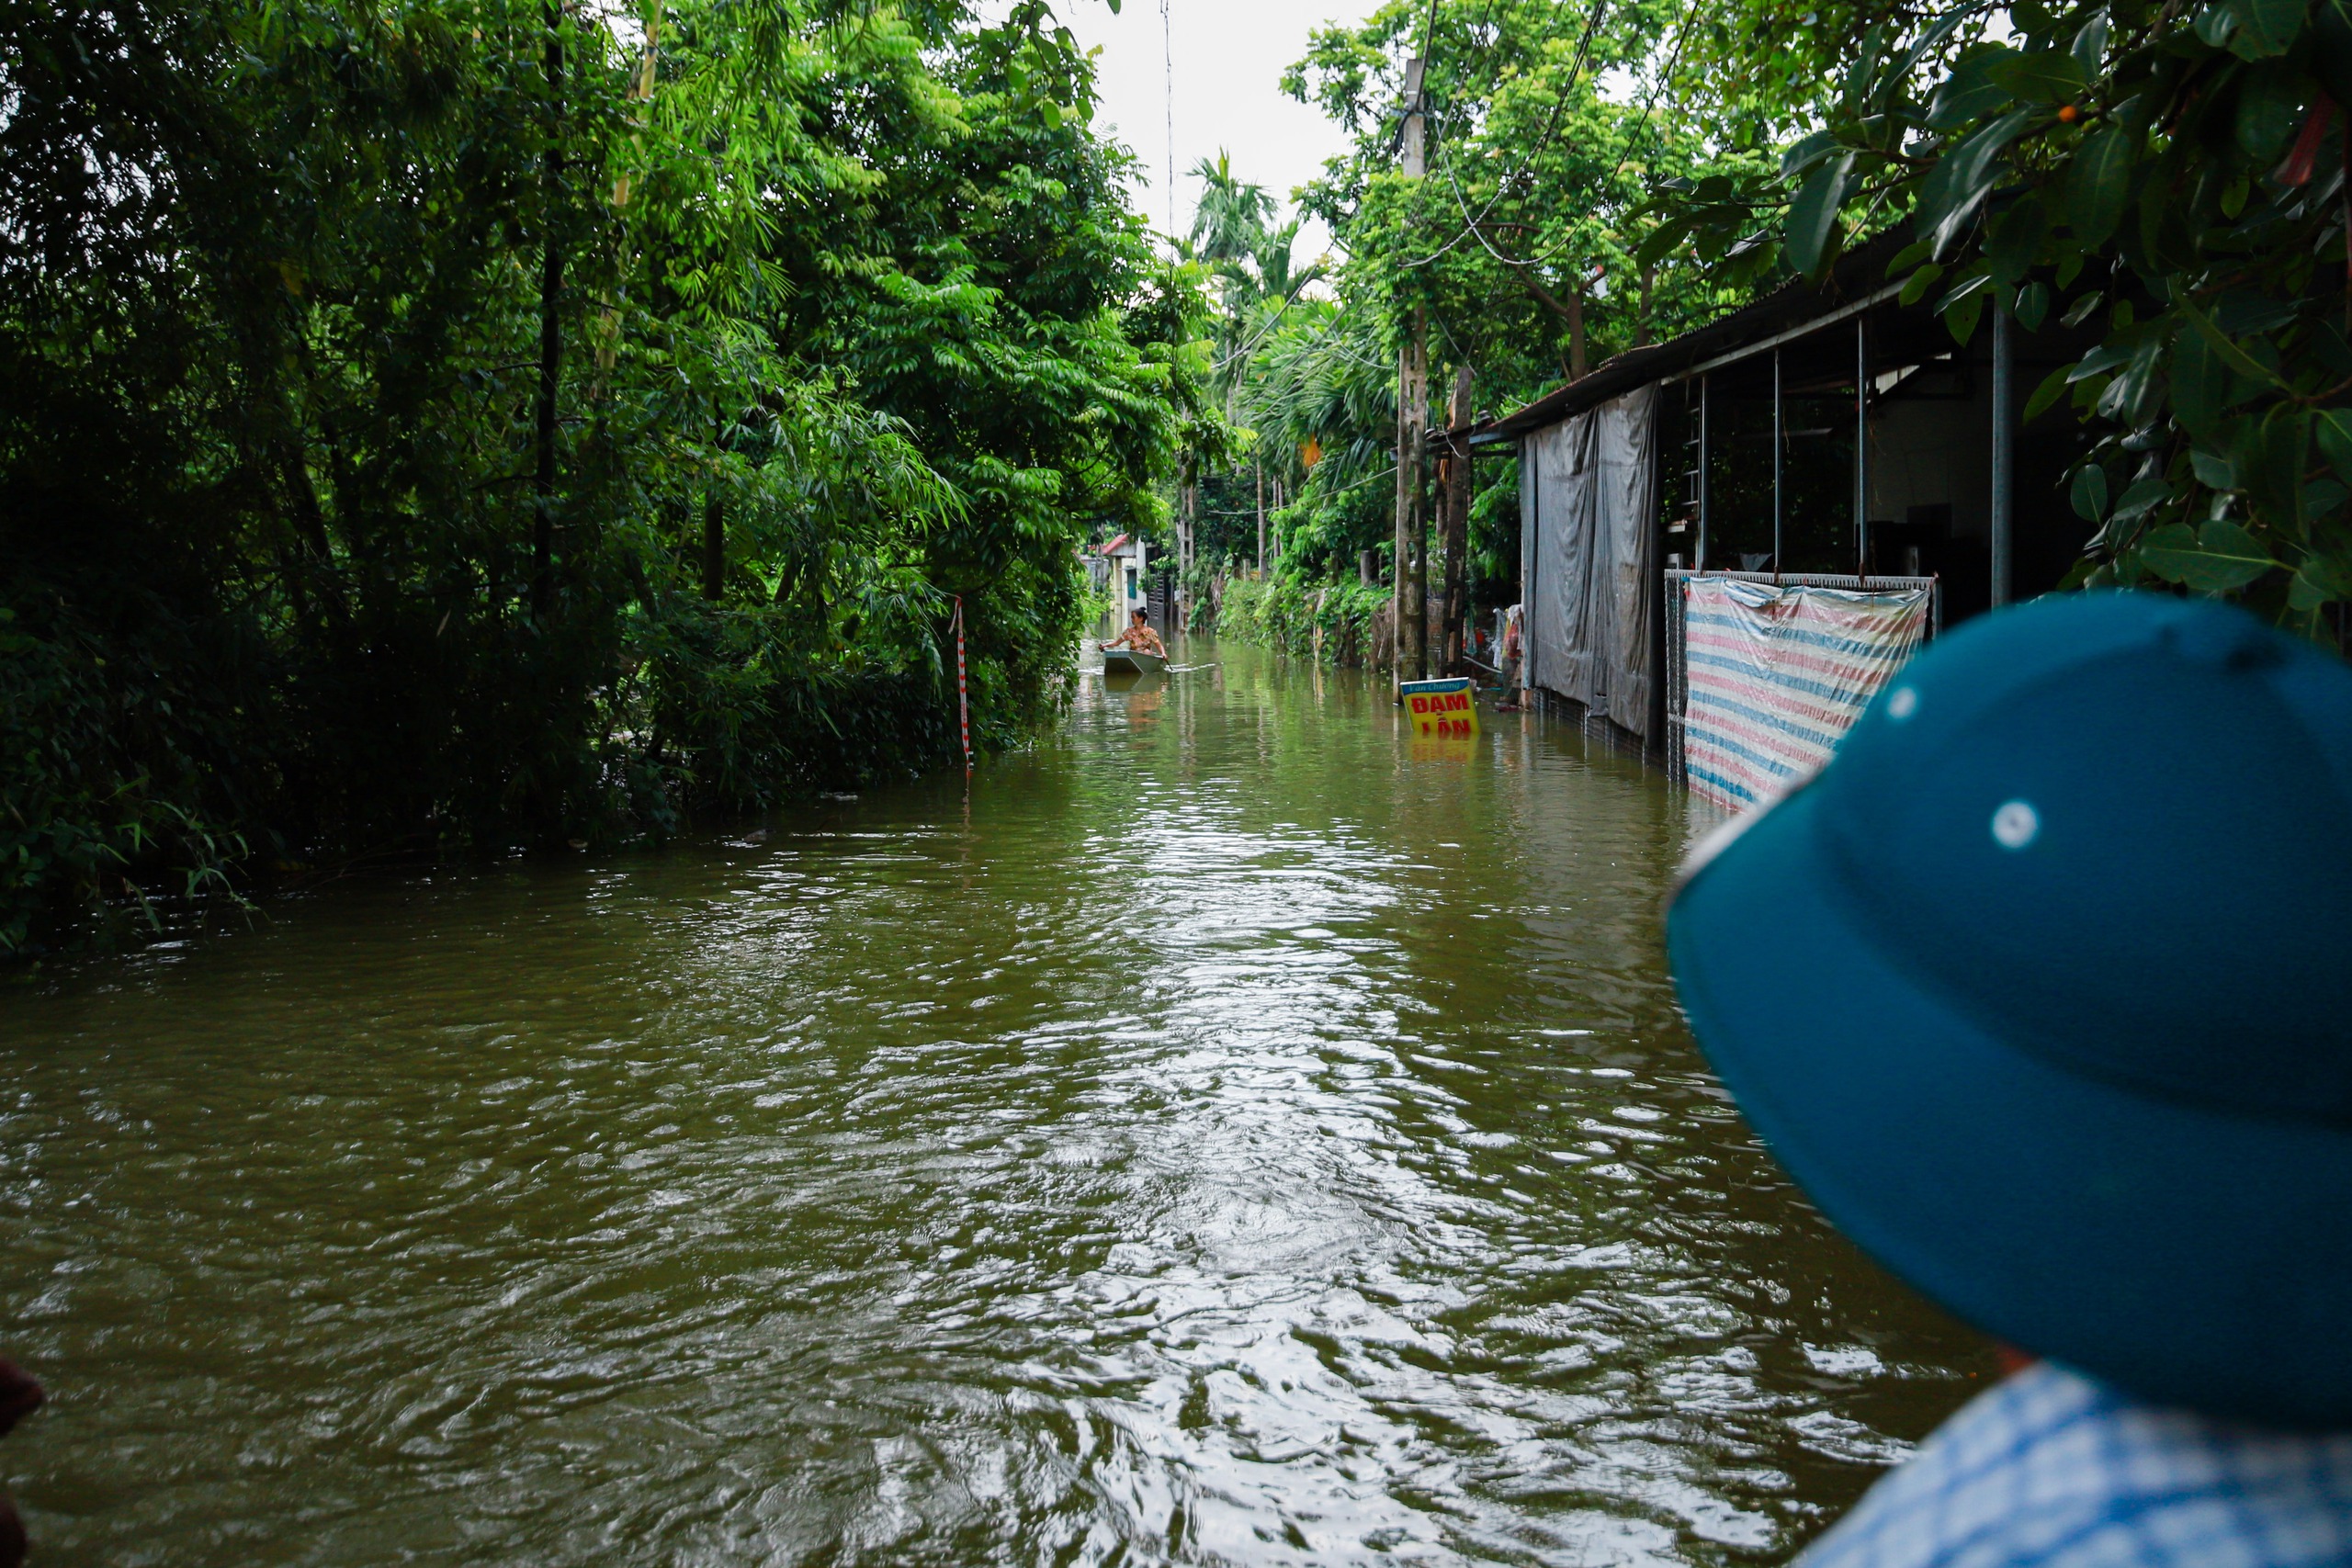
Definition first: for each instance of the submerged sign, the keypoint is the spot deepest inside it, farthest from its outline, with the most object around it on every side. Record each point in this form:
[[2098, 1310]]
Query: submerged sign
[[1441, 707]]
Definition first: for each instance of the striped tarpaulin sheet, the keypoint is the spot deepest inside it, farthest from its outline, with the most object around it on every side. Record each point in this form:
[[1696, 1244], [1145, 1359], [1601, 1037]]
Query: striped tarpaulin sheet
[[1776, 674]]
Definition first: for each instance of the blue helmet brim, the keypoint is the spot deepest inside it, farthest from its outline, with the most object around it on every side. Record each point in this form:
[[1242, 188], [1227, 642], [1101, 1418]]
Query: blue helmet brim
[[2189, 1255]]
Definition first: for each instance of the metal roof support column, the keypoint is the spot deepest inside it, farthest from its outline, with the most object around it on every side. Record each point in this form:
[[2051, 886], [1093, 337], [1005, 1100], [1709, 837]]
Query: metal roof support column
[[1861, 450], [1699, 555], [2003, 454], [1778, 565]]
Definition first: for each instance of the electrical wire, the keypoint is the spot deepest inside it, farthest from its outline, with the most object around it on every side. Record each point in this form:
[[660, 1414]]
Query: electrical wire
[[1255, 338], [1356, 483], [1473, 227], [1168, 51], [1551, 126]]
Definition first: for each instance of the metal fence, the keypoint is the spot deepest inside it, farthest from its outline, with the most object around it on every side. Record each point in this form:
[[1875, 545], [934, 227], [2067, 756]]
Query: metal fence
[[1678, 663]]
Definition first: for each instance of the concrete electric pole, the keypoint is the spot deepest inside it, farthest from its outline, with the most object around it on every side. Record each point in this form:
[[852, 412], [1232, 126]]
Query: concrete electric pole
[[1412, 435]]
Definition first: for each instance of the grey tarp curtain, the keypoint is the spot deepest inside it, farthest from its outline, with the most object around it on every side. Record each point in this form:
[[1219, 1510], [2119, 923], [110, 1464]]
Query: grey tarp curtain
[[1592, 482]]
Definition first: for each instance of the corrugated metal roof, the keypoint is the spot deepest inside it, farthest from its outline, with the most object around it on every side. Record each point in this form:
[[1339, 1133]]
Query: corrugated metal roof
[[1852, 282]]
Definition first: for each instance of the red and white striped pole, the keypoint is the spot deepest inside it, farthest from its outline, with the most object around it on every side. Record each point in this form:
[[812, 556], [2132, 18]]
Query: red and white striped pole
[[962, 702]]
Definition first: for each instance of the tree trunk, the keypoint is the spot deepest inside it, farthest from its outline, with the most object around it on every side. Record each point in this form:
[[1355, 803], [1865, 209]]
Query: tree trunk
[[551, 330], [1188, 500], [1419, 646], [714, 543], [1455, 510], [313, 562], [1571, 311], [551, 322], [1260, 468]]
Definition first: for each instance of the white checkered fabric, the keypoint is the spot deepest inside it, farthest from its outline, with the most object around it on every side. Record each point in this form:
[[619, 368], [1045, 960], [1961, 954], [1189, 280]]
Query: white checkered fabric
[[2055, 1470]]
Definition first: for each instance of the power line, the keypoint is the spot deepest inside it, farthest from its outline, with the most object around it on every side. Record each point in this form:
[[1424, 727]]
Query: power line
[[1168, 51], [1472, 226], [1290, 297], [1575, 71], [1355, 483]]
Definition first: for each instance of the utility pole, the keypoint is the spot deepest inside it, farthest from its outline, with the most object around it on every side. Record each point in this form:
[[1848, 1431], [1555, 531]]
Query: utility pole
[[1412, 435], [1453, 521]]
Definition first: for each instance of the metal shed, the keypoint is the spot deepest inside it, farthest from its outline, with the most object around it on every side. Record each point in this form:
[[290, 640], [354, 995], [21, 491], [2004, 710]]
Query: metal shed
[[1827, 442]]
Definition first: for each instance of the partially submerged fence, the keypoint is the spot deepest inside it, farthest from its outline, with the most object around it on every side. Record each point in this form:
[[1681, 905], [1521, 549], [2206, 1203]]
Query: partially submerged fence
[[1764, 673]]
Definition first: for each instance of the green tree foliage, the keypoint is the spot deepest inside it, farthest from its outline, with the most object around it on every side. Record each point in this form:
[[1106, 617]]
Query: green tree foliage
[[2170, 180], [493, 422], [1527, 244], [1253, 266], [1327, 391], [1547, 128], [1293, 614]]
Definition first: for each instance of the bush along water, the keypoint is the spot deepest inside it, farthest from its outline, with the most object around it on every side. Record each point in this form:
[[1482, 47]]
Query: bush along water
[[1335, 623]]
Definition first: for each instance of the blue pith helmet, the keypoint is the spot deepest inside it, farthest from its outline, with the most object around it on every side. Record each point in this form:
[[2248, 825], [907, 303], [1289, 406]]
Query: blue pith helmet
[[2042, 989]]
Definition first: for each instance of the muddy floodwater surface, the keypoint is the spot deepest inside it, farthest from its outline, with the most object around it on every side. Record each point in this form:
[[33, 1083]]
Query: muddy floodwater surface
[[1230, 1134]]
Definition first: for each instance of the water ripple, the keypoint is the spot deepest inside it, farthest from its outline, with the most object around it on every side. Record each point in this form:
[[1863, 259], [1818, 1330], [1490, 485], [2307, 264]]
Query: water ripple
[[1223, 1138]]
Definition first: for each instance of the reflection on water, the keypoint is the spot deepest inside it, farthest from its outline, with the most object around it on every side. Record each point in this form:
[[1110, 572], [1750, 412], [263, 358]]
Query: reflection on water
[[1229, 1136]]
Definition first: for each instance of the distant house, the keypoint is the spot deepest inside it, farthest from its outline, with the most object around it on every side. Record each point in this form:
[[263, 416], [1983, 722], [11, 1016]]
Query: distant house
[[1122, 574], [1829, 447]]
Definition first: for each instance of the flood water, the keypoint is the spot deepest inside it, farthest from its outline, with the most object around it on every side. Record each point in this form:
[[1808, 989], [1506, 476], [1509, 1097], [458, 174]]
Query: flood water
[[1229, 1136]]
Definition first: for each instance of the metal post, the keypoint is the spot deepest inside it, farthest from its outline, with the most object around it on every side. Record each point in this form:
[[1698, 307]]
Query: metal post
[[1862, 451], [2004, 456], [1699, 555], [1778, 565], [1531, 557]]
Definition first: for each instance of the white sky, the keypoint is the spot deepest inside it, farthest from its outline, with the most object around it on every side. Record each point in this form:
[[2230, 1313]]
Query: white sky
[[1228, 58]]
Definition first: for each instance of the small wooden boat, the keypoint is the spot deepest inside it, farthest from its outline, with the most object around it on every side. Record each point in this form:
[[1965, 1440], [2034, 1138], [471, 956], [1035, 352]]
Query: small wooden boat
[[1131, 661]]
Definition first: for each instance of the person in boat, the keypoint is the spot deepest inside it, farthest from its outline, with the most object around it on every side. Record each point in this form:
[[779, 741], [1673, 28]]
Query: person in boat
[[2037, 989], [1139, 636]]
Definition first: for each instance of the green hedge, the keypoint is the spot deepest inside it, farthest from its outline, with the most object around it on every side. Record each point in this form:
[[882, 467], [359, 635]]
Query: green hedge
[[1285, 613]]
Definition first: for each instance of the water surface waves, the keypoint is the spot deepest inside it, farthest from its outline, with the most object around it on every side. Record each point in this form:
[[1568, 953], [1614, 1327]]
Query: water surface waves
[[1228, 1136]]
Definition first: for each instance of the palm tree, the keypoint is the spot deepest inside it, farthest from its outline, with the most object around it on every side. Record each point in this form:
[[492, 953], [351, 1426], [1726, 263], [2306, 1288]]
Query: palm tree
[[1230, 220], [1233, 234], [1257, 279]]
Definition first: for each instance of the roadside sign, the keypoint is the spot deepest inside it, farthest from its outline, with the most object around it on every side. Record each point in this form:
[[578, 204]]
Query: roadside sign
[[1447, 707]]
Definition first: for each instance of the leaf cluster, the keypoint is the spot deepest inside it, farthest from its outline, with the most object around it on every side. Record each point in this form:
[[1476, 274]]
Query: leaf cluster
[[2168, 178]]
